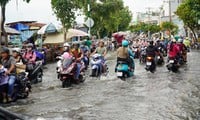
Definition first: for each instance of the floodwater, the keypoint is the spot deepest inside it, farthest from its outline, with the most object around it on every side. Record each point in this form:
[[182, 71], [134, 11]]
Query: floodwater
[[159, 96]]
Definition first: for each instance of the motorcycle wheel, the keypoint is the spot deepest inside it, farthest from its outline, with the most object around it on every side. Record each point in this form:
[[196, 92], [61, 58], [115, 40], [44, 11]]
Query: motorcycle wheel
[[24, 95], [15, 95], [94, 73], [81, 78], [174, 69], [152, 68], [39, 77], [66, 83]]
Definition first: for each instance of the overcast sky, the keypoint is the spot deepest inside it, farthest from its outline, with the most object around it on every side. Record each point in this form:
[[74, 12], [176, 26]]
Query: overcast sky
[[40, 10]]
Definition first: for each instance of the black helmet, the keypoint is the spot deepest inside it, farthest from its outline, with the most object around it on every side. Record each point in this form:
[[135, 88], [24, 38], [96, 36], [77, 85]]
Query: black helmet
[[151, 42], [5, 50]]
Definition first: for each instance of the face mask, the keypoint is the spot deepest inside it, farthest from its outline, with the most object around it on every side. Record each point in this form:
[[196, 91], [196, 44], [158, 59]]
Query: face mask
[[66, 48], [29, 49]]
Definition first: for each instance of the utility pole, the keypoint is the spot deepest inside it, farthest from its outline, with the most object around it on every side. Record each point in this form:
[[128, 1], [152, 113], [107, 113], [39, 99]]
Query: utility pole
[[89, 15], [149, 18], [170, 9], [1, 17], [170, 14]]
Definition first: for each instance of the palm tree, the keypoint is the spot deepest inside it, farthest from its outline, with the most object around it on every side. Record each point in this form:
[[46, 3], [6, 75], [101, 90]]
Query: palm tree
[[3, 4]]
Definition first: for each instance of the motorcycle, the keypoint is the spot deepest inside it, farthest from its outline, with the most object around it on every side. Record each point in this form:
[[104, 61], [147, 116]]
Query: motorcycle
[[162, 51], [123, 70], [143, 55], [136, 52], [22, 87], [86, 60], [150, 64], [3, 83], [159, 60], [172, 65], [68, 71], [59, 66], [35, 72], [98, 66]]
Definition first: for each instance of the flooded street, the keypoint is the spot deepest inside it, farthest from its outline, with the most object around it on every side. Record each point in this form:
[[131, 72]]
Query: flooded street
[[146, 96]]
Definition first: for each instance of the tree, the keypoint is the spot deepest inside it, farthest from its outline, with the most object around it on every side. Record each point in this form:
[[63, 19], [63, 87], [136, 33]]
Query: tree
[[189, 12], [3, 4], [125, 16], [65, 12], [109, 16], [144, 27], [169, 26]]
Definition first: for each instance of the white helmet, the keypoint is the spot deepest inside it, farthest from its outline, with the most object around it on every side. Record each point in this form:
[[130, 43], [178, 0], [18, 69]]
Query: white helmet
[[180, 40], [66, 45]]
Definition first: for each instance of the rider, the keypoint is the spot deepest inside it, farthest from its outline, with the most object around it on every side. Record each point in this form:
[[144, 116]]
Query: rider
[[9, 63], [86, 52], [183, 49], [101, 49], [30, 55], [17, 56], [152, 51], [125, 54], [78, 56], [187, 43], [173, 49], [66, 53]]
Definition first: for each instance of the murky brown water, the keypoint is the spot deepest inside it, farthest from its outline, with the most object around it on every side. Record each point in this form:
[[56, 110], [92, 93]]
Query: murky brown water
[[159, 96]]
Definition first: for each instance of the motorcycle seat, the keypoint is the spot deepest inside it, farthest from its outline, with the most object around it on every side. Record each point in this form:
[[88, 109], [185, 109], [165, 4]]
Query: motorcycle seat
[[122, 62]]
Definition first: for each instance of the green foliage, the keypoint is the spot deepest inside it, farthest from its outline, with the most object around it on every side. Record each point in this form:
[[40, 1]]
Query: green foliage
[[3, 4], [189, 12], [109, 16], [169, 26], [143, 27], [65, 11]]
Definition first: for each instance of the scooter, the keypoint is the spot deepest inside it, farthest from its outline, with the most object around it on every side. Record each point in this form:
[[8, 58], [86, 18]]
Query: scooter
[[35, 75], [98, 66], [123, 70], [143, 55], [150, 64], [22, 87], [172, 65], [136, 52], [159, 60], [68, 72], [86, 61]]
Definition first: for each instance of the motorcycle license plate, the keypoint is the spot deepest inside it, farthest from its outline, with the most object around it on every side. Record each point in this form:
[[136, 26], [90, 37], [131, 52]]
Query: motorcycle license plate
[[171, 61], [148, 63], [119, 74]]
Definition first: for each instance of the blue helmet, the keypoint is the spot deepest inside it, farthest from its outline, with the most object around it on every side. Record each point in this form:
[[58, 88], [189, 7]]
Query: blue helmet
[[125, 43]]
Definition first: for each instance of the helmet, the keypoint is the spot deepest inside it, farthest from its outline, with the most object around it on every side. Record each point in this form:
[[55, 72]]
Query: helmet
[[66, 45], [5, 50], [151, 42], [76, 43], [173, 40], [180, 40], [101, 41], [17, 50], [125, 43], [29, 45]]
